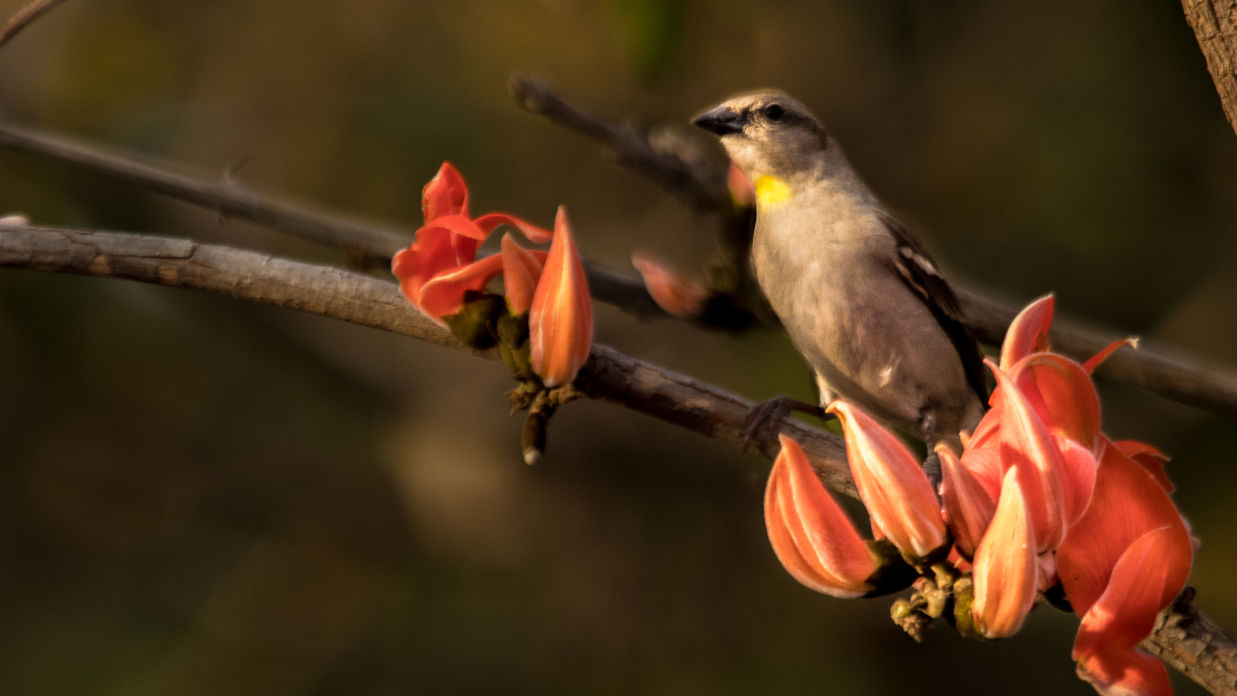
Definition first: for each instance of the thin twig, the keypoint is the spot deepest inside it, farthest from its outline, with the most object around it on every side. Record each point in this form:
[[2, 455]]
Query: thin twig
[[224, 196], [623, 143], [1190, 383], [23, 17], [1186, 639]]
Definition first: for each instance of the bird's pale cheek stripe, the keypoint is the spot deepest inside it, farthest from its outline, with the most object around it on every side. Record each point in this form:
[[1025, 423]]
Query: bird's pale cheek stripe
[[771, 191]]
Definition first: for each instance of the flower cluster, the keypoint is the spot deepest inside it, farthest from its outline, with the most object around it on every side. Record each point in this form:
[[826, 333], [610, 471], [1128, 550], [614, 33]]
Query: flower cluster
[[440, 274], [1038, 503]]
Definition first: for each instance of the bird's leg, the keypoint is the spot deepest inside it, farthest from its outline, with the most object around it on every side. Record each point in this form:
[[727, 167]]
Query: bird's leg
[[774, 411], [931, 463]]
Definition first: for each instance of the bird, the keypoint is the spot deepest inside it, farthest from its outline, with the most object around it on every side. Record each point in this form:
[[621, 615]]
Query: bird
[[861, 299]]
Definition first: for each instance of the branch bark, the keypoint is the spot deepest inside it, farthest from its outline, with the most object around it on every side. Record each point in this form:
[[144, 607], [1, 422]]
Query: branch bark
[[1184, 637], [1215, 27]]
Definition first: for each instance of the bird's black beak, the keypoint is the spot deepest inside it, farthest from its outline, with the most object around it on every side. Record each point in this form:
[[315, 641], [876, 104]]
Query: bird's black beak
[[720, 120]]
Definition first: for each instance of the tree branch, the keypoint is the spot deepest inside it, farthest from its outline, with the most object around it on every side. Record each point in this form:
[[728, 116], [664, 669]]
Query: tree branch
[[361, 299], [1194, 645], [1191, 383], [23, 17], [625, 145], [1186, 639], [374, 245], [1215, 26]]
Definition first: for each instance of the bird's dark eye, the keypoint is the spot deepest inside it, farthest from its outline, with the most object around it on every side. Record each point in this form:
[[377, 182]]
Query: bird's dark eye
[[774, 112]]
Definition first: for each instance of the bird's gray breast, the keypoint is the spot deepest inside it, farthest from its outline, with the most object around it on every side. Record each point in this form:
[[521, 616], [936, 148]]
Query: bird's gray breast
[[822, 264]]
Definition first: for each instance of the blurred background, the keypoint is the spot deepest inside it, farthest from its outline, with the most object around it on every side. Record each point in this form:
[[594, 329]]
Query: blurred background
[[203, 496]]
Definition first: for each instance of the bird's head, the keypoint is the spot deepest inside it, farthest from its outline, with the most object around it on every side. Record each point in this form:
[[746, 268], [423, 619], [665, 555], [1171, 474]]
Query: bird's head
[[767, 133]]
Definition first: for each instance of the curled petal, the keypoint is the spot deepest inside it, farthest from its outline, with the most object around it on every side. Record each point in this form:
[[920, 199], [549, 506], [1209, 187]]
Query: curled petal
[[1149, 458], [1128, 502], [892, 485], [968, 506], [1062, 394], [1095, 360], [445, 194], [1025, 442], [1078, 477], [432, 253], [981, 453], [490, 221], [1005, 570], [460, 226], [1028, 333], [1125, 672], [1146, 577], [561, 318], [810, 533], [672, 292], [408, 268], [444, 293], [521, 270]]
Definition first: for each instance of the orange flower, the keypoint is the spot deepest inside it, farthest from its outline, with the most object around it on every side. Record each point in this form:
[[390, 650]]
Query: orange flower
[[810, 533], [439, 267], [967, 504], [679, 296], [1006, 571], [892, 485], [1125, 560], [561, 319], [1028, 332], [521, 271]]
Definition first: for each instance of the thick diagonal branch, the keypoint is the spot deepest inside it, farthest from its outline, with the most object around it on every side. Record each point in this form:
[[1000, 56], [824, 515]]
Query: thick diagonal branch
[[361, 299], [1185, 638]]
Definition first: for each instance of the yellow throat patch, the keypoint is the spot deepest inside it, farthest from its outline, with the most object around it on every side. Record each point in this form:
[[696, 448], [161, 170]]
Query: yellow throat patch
[[771, 191]]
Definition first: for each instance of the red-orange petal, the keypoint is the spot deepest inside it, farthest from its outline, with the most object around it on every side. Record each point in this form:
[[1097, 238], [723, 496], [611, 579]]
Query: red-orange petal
[[459, 225], [672, 292], [1095, 360], [1026, 442], [1028, 333], [432, 253], [810, 533], [490, 221], [891, 483], [445, 194], [1005, 570], [1078, 477], [1148, 575], [444, 293], [1128, 502], [1062, 394], [967, 505], [561, 317], [1149, 458], [521, 270], [1125, 672]]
